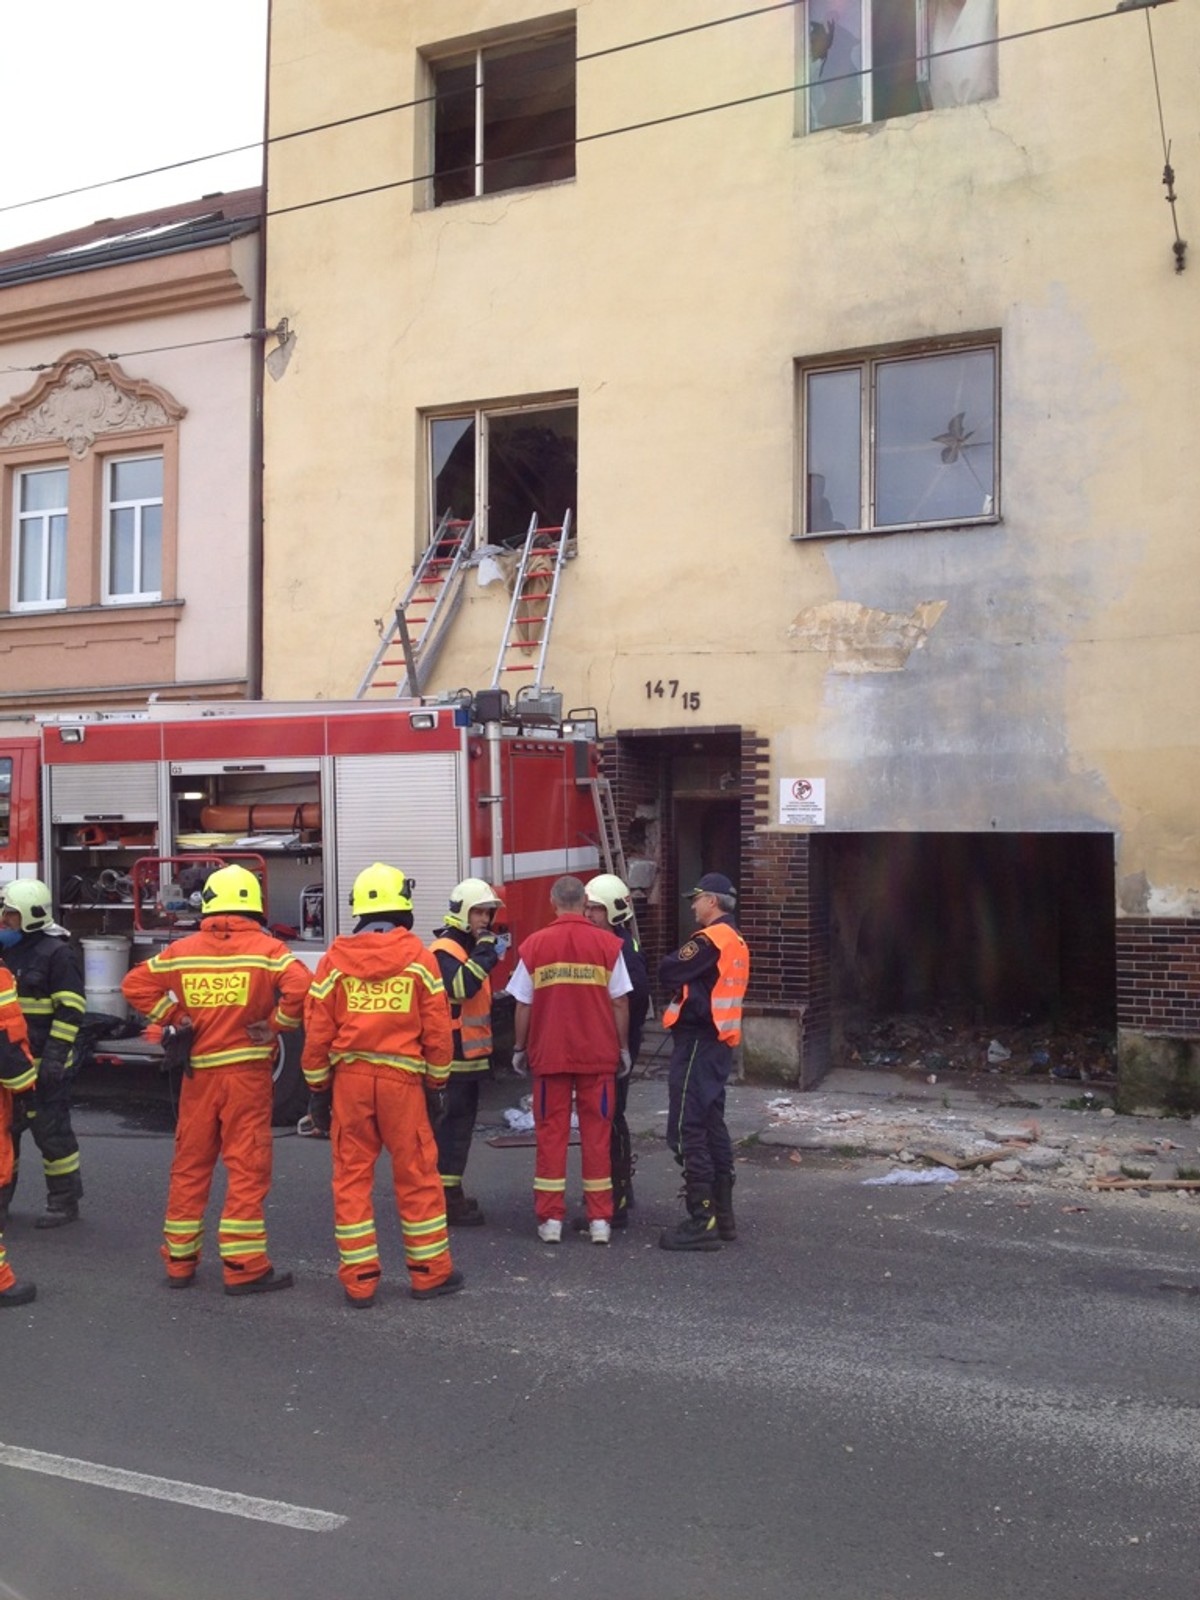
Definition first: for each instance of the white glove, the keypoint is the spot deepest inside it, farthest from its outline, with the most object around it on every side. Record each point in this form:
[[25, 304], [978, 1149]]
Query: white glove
[[626, 1066], [503, 940], [520, 1063]]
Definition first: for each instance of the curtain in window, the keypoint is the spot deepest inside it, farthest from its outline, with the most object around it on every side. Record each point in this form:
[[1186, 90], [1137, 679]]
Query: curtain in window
[[969, 75]]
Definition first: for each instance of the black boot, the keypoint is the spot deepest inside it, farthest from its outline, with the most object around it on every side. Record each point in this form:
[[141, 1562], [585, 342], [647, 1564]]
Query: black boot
[[60, 1209], [723, 1206], [698, 1230], [462, 1211]]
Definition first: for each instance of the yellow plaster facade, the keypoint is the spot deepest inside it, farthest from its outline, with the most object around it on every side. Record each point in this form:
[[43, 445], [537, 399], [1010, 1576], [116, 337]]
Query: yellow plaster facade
[[1025, 670]]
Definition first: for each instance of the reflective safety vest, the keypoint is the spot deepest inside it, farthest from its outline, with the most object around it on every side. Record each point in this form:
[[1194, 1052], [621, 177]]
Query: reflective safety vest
[[17, 1071], [729, 989], [471, 1018]]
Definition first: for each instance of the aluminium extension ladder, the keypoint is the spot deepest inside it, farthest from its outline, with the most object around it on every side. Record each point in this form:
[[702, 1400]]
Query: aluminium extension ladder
[[531, 612], [430, 605]]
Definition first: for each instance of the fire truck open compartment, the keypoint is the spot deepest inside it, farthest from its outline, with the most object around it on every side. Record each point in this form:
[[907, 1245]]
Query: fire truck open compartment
[[126, 813]]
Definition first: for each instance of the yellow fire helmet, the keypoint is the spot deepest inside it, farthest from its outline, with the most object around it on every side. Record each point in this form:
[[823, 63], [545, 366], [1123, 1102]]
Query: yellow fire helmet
[[231, 889], [31, 898], [380, 888], [472, 894], [608, 891]]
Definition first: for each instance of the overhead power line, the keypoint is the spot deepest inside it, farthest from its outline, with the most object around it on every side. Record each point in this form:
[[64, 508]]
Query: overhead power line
[[708, 110], [593, 55], [380, 111]]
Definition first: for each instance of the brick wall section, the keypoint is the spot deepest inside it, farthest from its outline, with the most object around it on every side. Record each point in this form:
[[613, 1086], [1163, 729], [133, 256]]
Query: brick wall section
[[1158, 975], [784, 914]]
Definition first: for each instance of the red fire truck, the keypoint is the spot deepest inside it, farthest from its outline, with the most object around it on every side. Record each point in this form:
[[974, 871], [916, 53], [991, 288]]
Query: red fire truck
[[124, 814]]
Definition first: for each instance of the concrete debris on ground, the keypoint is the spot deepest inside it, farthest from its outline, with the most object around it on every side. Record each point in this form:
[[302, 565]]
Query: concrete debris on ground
[[984, 1127], [1042, 1140]]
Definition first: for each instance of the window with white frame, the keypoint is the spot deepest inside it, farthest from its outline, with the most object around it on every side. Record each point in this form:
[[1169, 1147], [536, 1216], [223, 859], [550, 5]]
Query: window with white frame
[[39, 567], [504, 115], [133, 521], [900, 439], [500, 466], [869, 60]]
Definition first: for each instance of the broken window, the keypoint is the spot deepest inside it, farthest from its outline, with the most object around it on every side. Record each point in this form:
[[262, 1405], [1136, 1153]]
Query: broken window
[[894, 441], [504, 117], [504, 465], [868, 60]]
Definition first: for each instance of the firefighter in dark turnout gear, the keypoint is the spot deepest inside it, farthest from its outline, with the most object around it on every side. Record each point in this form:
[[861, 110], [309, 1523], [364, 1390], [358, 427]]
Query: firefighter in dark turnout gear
[[707, 980], [610, 905], [50, 990], [466, 951]]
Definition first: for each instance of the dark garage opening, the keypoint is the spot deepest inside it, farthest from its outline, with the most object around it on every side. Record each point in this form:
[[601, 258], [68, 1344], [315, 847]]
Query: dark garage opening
[[940, 942]]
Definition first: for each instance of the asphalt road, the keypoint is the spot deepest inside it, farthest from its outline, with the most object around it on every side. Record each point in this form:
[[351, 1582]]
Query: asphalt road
[[922, 1393]]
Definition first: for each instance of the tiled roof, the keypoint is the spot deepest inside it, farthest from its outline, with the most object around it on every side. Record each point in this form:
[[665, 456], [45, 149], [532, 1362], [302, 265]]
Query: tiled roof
[[188, 225]]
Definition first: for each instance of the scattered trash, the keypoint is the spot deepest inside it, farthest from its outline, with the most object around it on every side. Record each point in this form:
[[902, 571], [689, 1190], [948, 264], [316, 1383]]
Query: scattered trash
[[520, 1118], [913, 1175], [946, 1041]]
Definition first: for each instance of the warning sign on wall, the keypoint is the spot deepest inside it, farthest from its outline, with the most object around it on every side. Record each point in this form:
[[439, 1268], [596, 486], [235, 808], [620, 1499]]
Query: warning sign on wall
[[802, 802]]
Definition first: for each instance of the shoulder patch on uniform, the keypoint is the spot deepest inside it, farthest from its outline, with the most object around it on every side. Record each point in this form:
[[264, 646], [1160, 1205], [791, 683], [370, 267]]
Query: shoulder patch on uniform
[[690, 949]]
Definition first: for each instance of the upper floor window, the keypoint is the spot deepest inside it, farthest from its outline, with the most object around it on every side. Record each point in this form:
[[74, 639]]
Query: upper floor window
[[499, 466], [504, 116], [867, 60], [900, 440], [133, 527], [40, 538]]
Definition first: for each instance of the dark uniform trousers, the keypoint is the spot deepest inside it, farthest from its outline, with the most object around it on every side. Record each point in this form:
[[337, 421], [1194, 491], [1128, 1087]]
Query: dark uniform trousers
[[696, 1131], [457, 1126]]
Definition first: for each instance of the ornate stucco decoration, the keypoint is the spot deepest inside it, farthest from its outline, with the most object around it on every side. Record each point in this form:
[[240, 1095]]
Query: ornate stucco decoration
[[82, 397]]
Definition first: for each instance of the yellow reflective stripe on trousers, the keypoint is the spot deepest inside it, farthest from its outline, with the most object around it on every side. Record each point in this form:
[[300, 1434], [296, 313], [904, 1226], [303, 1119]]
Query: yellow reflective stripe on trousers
[[550, 1185], [60, 1169]]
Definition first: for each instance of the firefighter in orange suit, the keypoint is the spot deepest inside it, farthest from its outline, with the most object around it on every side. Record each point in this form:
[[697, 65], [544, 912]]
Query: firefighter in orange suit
[[230, 989], [466, 951], [377, 1058], [18, 1075]]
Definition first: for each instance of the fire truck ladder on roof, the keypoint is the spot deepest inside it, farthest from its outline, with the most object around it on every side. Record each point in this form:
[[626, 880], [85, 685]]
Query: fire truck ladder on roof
[[531, 614], [430, 605]]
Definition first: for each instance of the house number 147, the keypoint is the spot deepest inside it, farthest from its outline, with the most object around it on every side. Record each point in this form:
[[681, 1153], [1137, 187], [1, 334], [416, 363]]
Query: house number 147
[[668, 689]]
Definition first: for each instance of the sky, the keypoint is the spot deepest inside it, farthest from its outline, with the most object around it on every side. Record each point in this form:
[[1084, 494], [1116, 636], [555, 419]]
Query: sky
[[92, 90]]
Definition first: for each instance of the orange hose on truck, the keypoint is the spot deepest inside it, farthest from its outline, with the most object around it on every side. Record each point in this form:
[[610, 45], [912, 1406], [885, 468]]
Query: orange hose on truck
[[253, 819]]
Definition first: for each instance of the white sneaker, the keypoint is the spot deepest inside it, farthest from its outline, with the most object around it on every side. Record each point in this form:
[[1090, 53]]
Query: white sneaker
[[550, 1232], [599, 1232]]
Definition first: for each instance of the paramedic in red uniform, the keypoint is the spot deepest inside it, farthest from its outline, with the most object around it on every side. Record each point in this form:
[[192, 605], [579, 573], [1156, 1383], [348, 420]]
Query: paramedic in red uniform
[[18, 1075], [707, 981], [233, 987], [572, 1031], [377, 1058]]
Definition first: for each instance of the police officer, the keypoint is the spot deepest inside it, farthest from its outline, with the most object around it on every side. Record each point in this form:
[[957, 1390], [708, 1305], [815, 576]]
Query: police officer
[[608, 904], [466, 951], [50, 990], [707, 980], [235, 987]]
